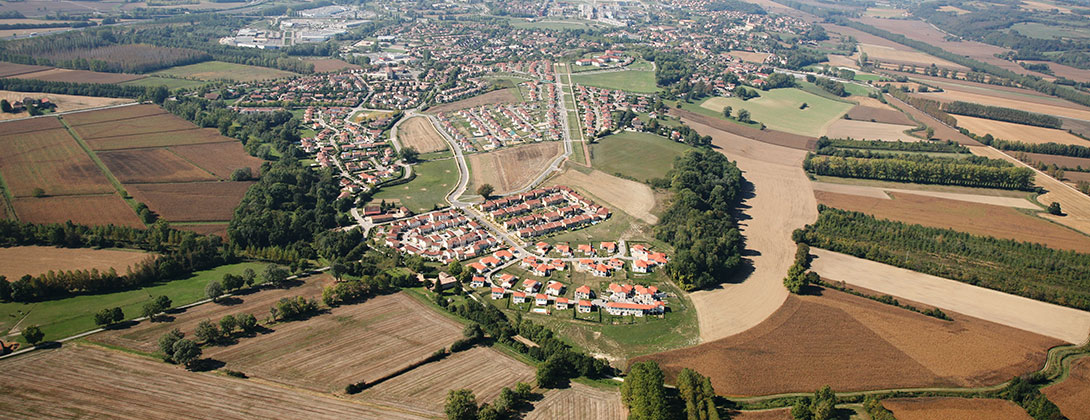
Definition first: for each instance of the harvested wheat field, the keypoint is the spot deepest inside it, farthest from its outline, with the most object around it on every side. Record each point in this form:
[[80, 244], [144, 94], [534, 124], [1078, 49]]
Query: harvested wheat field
[[1075, 204], [152, 166], [64, 103], [48, 159], [774, 414], [1061, 161], [352, 343], [853, 343], [221, 159], [191, 201], [1073, 394], [85, 381], [417, 132], [881, 115], [481, 369], [193, 135], [107, 209], [778, 138], [160, 123], [1020, 132], [502, 96], [880, 189], [35, 260], [79, 76], [579, 402], [12, 69], [978, 219], [942, 131], [1028, 315], [954, 92], [954, 409], [752, 57], [866, 130], [511, 168], [906, 56], [114, 114], [634, 198]]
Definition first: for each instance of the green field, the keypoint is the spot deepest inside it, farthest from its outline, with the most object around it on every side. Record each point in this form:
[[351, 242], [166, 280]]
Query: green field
[[164, 81], [640, 156], [66, 317], [629, 80], [434, 179], [1042, 31], [218, 70], [779, 109]]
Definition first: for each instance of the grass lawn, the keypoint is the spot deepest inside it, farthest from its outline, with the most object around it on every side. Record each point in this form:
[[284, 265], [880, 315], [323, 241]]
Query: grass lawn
[[641, 156], [578, 154], [699, 108], [628, 80], [217, 70], [434, 179], [609, 230], [65, 317], [170, 83], [779, 109]]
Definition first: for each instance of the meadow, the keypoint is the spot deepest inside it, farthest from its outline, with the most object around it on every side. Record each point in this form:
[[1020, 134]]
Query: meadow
[[640, 156], [779, 109]]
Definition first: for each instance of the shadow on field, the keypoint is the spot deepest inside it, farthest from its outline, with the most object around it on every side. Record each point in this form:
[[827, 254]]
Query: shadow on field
[[228, 301], [207, 364], [124, 325]]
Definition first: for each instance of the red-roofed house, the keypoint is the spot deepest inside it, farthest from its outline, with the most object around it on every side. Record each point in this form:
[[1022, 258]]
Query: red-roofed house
[[586, 249], [600, 270], [518, 297], [561, 303], [497, 293], [586, 264], [480, 268], [477, 282], [585, 306], [541, 300], [564, 250], [641, 266], [490, 261], [542, 247], [531, 286], [609, 247], [559, 265], [555, 288], [541, 270], [583, 292], [507, 281]]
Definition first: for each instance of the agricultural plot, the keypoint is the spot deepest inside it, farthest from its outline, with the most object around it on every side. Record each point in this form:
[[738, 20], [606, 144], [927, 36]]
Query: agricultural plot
[[637, 81], [79, 76], [191, 135], [221, 159], [779, 109], [1073, 394], [906, 56], [1061, 161], [1024, 133], [866, 130], [1002, 98], [771, 137], [151, 165], [107, 209], [64, 102], [115, 114], [434, 180], [160, 123], [641, 156], [191, 201], [634, 198], [35, 260], [579, 402], [353, 343], [882, 189], [942, 131], [511, 168], [853, 343], [955, 409], [774, 414], [170, 83], [329, 65], [49, 159], [419, 133], [496, 97], [101, 383], [1076, 205], [752, 57], [218, 70], [880, 115], [13, 69]]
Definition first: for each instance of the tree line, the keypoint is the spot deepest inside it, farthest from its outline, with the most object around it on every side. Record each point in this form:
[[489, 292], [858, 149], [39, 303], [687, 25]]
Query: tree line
[[72, 88], [997, 113], [916, 146], [832, 86], [1049, 148], [645, 395], [923, 169]]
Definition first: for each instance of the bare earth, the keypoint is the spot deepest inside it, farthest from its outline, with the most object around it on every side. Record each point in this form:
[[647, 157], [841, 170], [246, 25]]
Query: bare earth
[[418, 132], [35, 260], [1004, 99], [906, 55], [774, 414], [510, 168], [631, 197], [866, 130], [1067, 324], [955, 409], [1075, 204], [881, 192], [502, 96], [579, 402], [1019, 132], [64, 102], [781, 203], [1073, 394]]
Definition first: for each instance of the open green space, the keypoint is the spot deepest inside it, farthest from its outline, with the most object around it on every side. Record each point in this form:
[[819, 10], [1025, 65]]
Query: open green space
[[218, 70], [434, 179], [1041, 31], [779, 109], [578, 153], [627, 80], [170, 83], [639, 156], [62, 318], [612, 229]]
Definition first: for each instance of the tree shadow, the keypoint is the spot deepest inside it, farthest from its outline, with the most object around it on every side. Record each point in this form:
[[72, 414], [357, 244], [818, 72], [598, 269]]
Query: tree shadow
[[206, 364], [123, 325], [228, 301]]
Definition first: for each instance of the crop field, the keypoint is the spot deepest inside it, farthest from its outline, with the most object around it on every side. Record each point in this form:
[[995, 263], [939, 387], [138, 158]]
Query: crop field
[[883, 12], [774, 414], [1073, 394], [955, 409], [103, 209], [511, 168], [35, 260], [169, 82], [906, 56], [634, 198], [12, 69], [866, 130], [942, 131], [502, 96], [1020, 132], [353, 343], [1076, 205], [151, 165], [79, 76], [419, 133], [484, 370], [779, 110], [1061, 161], [771, 137], [922, 31], [853, 343], [191, 201], [434, 179], [881, 115], [579, 402], [640, 156], [218, 70], [191, 135], [161, 123], [329, 65], [49, 159], [752, 57], [637, 81], [115, 114], [881, 189], [100, 383], [221, 159], [1002, 98], [978, 219], [64, 102], [1073, 73]]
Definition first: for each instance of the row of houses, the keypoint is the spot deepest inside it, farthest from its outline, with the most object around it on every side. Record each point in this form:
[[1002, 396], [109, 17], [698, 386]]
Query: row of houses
[[544, 211], [444, 236], [623, 299]]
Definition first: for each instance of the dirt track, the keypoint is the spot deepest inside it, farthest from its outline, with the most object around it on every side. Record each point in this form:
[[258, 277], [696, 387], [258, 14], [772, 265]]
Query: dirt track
[[1050, 320], [781, 203]]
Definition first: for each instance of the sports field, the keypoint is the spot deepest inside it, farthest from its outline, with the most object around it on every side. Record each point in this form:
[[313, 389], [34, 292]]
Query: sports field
[[637, 81], [434, 179], [641, 156], [218, 70], [779, 109]]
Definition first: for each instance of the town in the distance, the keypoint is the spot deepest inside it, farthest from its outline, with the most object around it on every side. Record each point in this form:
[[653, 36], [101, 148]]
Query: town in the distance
[[545, 209]]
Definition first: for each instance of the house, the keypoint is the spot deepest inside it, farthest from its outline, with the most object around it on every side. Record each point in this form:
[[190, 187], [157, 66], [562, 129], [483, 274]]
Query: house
[[639, 251], [531, 286], [585, 306], [541, 300], [586, 249], [445, 281], [564, 250], [584, 292], [609, 247], [554, 288], [559, 265], [372, 211], [490, 261], [528, 262], [600, 270], [518, 297], [478, 267], [561, 303], [507, 281], [542, 248], [498, 292], [477, 282], [626, 308], [646, 294], [585, 264], [642, 266], [619, 291], [503, 255], [541, 270]]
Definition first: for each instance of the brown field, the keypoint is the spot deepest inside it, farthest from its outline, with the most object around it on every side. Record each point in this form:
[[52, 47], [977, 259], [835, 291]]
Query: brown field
[[882, 190], [35, 260], [86, 381], [162, 123], [152, 165], [64, 102], [954, 409], [48, 159], [978, 219], [866, 130], [774, 414], [80, 209], [220, 159], [1079, 127], [1020, 132], [486, 371], [191, 201], [1073, 394], [502, 96], [218, 229], [753, 57], [942, 131], [778, 138], [1075, 177], [853, 343], [123, 113], [1075, 204], [1073, 73], [12, 69], [511, 168], [1008, 100], [329, 65], [841, 61], [579, 402], [79, 76], [862, 37], [881, 115], [634, 198], [30, 125], [170, 138], [907, 56], [418, 132], [1037, 5], [1061, 161]]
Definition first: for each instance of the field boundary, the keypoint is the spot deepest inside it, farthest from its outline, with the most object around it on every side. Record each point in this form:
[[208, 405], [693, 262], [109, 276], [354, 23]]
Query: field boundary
[[102, 167]]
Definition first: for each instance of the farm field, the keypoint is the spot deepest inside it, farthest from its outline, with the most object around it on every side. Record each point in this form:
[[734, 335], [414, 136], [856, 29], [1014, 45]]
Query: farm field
[[61, 318], [419, 133], [511, 168], [151, 165], [1004, 99], [978, 219], [640, 156], [771, 137], [159, 123], [502, 96], [779, 109], [955, 409], [105, 383], [11, 69], [1020, 132], [352, 343], [116, 114], [48, 158], [103, 209], [1076, 205], [866, 130], [1073, 73], [634, 198], [752, 57], [434, 179], [1048, 320], [190, 135], [579, 402], [881, 189], [942, 131], [774, 414], [78, 76], [221, 159], [881, 115], [64, 103], [1073, 394], [169, 82], [484, 370], [637, 81], [329, 65], [35, 260], [1062, 161], [853, 343], [906, 56], [191, 201], [218, 70]]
